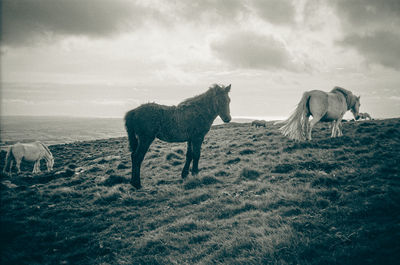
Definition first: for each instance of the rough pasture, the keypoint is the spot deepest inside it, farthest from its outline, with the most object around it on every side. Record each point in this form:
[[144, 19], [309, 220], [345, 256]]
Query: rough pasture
[[259, 199]]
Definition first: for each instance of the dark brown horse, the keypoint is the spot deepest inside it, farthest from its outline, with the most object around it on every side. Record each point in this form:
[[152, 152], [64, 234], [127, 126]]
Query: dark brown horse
[[188, 122]]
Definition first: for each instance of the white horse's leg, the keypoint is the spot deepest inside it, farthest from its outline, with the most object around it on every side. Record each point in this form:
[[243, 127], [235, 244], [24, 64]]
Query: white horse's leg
[[306, 126], [18, 165], [333, 125], [38, 166], [35, 168], [314, 121], [339, 129], [339, 126], [11, 165]]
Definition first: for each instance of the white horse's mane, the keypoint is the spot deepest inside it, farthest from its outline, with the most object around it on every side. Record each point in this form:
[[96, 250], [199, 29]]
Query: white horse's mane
[[47, 150], [348, 95]]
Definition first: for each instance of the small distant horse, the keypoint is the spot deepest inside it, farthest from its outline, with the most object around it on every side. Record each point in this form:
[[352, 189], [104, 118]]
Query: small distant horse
[[323, 106], [32, 152], [364, 116], [188, 122], [259, 123]]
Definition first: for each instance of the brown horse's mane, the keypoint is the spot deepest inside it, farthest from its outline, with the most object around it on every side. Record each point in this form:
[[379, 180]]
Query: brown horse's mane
[[348, 95], [199, 98]]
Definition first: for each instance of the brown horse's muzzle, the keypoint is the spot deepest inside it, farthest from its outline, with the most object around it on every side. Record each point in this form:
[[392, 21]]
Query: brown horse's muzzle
[[226, 119]]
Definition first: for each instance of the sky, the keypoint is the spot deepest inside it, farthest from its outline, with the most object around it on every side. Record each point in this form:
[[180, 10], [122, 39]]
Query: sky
[[102, 58]]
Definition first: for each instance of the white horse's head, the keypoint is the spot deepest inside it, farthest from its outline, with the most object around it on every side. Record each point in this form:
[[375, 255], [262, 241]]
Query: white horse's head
[[50, 164]]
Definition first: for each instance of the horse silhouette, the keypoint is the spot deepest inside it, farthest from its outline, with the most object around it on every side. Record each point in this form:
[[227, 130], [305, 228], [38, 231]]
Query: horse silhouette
[[188, 122]]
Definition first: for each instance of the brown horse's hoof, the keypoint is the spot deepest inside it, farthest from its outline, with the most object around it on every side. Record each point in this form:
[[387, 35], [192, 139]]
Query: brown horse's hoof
[[184, 174], [136, 185]]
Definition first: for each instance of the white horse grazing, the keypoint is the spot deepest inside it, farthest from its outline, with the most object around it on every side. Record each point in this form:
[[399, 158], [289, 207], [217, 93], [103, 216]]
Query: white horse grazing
[[32, 152], [323, 106], [259, 123], [364, 116]]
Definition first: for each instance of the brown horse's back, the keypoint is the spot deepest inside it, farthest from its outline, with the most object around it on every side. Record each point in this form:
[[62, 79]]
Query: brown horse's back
[[154, 120]]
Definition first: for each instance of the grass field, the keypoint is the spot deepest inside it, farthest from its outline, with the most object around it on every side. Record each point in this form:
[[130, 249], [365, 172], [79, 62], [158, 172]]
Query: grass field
[[259, 199]]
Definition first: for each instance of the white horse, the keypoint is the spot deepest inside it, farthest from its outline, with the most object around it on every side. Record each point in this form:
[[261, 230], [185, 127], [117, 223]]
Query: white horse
[[364, 116], [32, 152], [259, 123], [323, 106]]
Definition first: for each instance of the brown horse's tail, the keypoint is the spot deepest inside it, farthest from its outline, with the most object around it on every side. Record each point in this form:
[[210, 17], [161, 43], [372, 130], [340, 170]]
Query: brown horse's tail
[[295, 127], [9, 156], [129, 126]]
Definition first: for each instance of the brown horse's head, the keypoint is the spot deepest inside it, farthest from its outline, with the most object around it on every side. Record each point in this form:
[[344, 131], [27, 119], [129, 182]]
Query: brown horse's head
[[222, 101], [355, 108]]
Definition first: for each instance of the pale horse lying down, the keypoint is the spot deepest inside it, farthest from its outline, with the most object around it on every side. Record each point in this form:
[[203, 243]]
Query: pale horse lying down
[[259, 123], [32, 152]]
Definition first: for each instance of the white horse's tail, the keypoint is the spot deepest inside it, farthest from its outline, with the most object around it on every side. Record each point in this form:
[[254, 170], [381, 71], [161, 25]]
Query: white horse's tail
[[295, 127], [9, 156]]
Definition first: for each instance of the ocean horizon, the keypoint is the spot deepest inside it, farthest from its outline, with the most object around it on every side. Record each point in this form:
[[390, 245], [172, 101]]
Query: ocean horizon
[[53, 130]]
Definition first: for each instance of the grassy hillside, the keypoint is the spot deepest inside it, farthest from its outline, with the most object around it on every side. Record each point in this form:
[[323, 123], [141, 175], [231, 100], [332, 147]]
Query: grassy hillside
[[259, 199]]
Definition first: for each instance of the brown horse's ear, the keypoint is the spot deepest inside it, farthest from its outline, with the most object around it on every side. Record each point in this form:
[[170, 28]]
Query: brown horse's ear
[[228, 88]]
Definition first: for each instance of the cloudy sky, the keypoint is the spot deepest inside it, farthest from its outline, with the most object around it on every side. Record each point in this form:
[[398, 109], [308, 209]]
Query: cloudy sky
[[104, 57]]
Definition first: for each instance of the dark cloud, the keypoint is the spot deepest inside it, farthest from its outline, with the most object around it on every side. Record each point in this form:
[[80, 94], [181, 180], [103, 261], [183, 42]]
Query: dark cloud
[[251, 50], [381, 47], [369, 13], [24, 21], [275, 11], [200, 10], [27, 21], [372, 28]]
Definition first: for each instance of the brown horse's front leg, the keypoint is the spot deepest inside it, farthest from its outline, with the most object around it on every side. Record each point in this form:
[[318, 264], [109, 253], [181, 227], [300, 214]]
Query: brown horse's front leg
[[189, 157], [196, 155]]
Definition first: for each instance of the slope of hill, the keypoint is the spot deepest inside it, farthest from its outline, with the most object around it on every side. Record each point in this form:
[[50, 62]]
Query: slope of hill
[[259, 199]]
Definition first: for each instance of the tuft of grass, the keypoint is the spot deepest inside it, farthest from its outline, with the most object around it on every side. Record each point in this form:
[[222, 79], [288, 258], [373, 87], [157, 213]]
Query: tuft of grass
[[249, 173], [221, 173], [122, 165], [247, 151], [196, 182], [192, 183], [172, 155], [232, 161], [114, 180], [208, 180]]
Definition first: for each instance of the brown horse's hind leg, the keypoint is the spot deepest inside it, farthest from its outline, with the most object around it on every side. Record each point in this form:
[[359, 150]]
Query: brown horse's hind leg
[[196, 155], [189, 157], [137, 159]]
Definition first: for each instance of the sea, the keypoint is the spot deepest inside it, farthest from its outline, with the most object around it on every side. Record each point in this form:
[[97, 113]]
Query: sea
[[60, 130]]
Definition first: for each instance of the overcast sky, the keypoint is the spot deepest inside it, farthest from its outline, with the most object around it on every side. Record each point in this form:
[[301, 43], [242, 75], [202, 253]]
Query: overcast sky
[[104, 57]]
